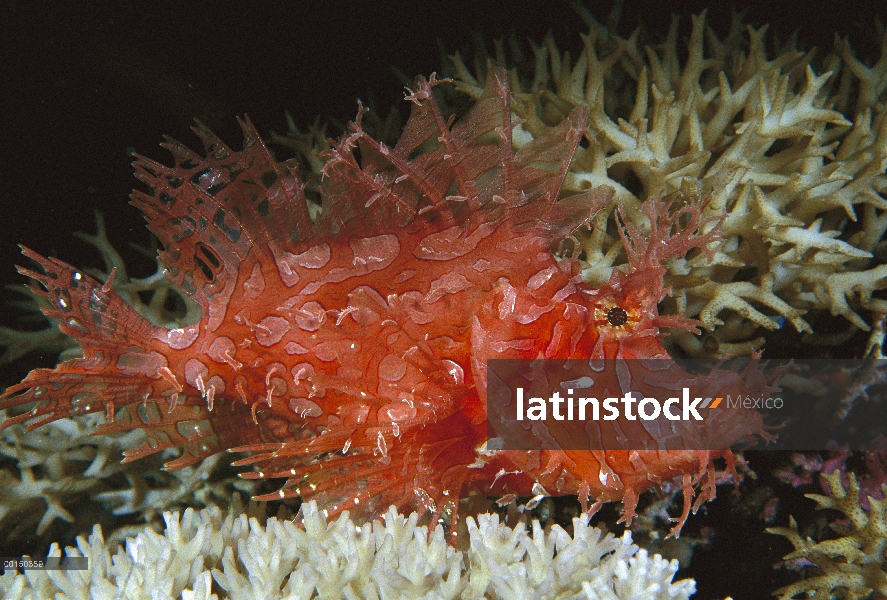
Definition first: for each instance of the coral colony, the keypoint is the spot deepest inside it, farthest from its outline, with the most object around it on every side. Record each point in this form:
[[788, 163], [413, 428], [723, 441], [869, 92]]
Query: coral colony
[[580, 209]]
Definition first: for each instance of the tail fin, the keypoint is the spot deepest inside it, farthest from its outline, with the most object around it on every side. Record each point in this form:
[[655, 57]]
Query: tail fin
[[117, 364]]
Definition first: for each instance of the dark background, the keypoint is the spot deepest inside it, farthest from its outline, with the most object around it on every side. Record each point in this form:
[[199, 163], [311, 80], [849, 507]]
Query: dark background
[[85, 83]]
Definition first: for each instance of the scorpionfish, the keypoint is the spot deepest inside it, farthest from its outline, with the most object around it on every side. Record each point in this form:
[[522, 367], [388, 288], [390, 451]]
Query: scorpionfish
[[346, 353]]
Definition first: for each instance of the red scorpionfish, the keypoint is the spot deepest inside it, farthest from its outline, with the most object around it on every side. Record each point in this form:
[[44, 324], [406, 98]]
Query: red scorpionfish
[[347, 354]]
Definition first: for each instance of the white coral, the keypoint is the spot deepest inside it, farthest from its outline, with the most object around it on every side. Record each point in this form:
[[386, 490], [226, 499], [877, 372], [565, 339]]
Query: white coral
[[205, 555]]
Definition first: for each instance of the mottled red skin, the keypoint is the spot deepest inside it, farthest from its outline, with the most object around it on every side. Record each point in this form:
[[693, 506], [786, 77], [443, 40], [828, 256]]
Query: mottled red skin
[[348, 355]]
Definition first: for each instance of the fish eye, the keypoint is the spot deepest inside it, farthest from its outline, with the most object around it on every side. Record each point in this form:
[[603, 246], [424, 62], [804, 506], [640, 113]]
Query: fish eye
[[617, 316]]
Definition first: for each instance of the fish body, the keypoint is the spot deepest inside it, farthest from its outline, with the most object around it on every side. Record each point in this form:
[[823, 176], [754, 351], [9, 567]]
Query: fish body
[[347, 354]]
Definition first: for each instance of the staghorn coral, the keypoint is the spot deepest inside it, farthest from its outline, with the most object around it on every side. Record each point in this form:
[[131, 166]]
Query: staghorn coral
[[851, 566], [205, 554], [66, 473], [765, 135]]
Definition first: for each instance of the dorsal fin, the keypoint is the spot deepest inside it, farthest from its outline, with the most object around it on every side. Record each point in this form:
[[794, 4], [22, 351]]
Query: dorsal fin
[[211, 213], [468, 174]]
